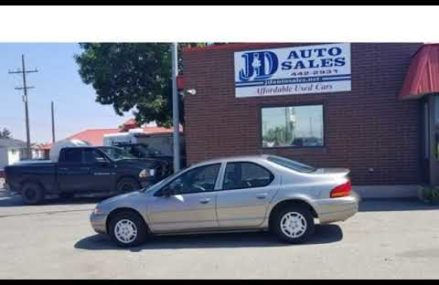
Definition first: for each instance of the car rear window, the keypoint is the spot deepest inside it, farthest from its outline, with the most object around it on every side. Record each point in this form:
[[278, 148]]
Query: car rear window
[[73, 155], [291, 164]]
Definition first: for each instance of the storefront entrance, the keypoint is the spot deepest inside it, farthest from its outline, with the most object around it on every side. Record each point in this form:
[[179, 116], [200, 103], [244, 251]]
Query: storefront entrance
[[422, 82], [430, 151]]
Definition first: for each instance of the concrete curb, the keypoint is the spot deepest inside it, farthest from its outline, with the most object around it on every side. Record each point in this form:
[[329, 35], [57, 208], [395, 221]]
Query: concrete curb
[[387, 191]]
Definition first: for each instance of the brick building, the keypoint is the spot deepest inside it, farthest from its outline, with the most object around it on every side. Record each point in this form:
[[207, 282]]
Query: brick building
[[342, 105]]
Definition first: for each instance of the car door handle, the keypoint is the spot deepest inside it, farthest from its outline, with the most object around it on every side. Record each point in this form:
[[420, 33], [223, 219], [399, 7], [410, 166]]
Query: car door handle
[[261, 196], [204, 201]]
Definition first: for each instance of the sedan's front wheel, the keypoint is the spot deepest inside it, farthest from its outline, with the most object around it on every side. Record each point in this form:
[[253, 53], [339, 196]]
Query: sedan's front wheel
[[127, 229], [293, 224]]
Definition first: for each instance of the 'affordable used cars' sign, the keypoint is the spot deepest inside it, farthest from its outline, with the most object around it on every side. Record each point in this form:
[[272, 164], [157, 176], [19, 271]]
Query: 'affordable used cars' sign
[[297, 70]]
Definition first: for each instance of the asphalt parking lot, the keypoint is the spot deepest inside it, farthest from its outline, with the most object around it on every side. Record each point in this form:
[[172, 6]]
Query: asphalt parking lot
[[386, 239]]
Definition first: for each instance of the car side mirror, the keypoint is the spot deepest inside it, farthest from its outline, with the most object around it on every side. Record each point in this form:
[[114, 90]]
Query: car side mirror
[[172, 189]]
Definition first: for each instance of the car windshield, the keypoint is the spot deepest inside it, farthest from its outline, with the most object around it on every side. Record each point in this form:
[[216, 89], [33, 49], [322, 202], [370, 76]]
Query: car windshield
[[148, 150], [291, 164], [162, 182], [116, 153]]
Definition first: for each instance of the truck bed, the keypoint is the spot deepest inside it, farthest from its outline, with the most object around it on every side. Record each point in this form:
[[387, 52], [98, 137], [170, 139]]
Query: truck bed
[[42, 171]]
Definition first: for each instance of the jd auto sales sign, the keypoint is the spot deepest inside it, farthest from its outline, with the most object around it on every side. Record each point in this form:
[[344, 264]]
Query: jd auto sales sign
[[296, 70]]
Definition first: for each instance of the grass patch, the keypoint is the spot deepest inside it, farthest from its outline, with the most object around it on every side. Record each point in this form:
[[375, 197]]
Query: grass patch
[[430, 194]]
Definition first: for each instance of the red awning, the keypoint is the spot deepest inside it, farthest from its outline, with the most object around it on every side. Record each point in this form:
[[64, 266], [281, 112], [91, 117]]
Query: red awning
[[423, 74]]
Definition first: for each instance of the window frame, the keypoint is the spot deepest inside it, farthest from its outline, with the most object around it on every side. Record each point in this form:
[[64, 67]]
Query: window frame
[[285, 105], [64, 156], [159, 193], [221, 188], [98, 151]]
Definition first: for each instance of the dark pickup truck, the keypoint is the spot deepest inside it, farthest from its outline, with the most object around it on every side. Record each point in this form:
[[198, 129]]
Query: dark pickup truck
[[83, 170], [141, 150]]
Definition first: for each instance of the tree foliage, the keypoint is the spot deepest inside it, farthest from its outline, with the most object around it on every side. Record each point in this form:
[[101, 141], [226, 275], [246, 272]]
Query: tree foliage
[[5, 134], [129, 76], [132, 76], [278, 135]]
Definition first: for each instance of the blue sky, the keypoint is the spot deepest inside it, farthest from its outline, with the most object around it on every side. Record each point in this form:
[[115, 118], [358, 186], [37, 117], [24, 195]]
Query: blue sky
[[57, 80]]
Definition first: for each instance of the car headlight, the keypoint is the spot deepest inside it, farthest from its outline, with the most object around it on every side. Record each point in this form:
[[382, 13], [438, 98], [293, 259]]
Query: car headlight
[[147, 173], [97, 211]]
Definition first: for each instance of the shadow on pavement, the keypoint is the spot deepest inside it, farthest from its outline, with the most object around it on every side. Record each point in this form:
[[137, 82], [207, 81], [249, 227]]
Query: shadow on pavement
[[323, 234], [396, 204], [16, 201]]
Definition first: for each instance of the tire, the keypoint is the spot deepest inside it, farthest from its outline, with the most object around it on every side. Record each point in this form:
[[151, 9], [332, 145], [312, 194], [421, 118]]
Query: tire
[[127, 185], [297, 221], [32, 193], [127, 229]]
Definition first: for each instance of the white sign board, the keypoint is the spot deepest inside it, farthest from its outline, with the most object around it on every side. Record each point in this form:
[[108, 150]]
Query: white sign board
[[294, 70]]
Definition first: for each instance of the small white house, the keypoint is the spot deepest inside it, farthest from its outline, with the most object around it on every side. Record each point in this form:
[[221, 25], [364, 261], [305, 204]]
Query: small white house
[[11, 151]]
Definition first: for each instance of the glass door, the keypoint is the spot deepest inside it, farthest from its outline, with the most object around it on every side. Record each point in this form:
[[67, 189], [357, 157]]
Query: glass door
[[434, 139], [425, 158]]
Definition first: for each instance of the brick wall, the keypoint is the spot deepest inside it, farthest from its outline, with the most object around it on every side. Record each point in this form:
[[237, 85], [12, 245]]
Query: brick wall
[[365, 128]]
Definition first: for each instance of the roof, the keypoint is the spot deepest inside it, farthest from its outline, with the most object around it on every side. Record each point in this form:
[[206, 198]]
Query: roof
[[247, 46], [423, 74], [129, 124], [230, 46], [42, 146], [96, 136], [93, 136], [11, 143]]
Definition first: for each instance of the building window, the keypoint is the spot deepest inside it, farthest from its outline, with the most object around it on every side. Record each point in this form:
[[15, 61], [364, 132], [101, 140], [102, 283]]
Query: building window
[[292, 126]]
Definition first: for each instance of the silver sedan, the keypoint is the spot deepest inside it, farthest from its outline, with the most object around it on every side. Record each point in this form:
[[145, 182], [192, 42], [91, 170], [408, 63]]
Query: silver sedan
[[263, 192]]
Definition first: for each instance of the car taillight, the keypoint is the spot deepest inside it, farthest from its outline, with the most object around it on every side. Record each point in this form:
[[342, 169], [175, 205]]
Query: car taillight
[[341, 190]]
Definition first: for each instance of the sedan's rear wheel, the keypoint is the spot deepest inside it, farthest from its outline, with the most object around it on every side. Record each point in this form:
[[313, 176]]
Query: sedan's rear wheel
[[127, 229], [293, 224]]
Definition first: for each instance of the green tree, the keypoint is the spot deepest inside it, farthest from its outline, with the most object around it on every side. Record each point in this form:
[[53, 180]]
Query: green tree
[[132, 76], [5, 133], [279, 135]]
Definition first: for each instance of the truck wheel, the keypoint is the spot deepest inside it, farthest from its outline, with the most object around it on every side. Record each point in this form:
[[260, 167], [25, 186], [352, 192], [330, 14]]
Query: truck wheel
[[293, 224], [128, 229], [32, 193], [127, 185]]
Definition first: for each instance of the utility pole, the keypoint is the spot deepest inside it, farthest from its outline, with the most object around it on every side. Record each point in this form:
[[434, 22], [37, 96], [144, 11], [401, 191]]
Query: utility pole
[[175, 110], [53, 122], [23, 72]]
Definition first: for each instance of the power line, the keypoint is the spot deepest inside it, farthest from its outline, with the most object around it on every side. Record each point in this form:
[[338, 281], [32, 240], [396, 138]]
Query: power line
[[23, 72]]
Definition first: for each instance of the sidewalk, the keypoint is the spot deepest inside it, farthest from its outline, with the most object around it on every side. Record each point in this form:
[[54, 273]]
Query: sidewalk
[[3, 192]]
